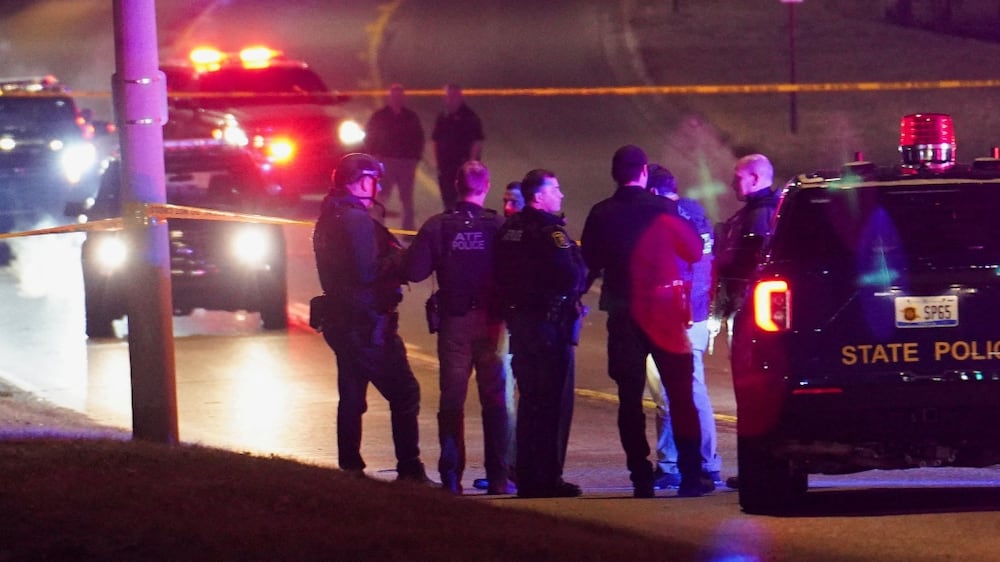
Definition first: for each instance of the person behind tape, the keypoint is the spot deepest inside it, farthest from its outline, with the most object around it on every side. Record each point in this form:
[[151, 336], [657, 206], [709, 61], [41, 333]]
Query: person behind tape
[[636, 241], [457, 247], [360, 270], [699, 276], [541, 277]]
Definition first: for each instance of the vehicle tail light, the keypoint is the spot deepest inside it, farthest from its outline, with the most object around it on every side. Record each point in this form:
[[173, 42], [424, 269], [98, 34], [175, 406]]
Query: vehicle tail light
[[280, 151], [927, 141], [772, 305]]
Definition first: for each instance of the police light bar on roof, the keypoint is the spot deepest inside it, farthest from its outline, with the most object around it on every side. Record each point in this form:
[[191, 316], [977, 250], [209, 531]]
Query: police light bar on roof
[[927, 141], [31, 84], [210, 58]]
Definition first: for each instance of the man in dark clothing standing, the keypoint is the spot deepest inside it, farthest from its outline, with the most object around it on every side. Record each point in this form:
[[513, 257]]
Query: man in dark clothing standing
[[360, 270], [457, 246], [738, 241], [458, 137], [541, 276], [636, 241], [395, 136]]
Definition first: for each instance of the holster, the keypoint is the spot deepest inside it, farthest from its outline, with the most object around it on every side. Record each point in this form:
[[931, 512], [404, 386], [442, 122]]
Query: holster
[[318, 312], [432, 308]]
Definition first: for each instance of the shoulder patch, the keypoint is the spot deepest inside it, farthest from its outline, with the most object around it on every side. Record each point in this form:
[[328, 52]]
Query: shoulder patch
[[559, 237]]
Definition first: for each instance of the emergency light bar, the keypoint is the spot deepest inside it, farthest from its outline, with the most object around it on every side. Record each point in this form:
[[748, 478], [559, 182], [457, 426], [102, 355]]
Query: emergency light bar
[[927, 141]]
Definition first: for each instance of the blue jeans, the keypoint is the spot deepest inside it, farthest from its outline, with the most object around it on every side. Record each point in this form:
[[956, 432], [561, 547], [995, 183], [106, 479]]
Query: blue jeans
[[666, 450]]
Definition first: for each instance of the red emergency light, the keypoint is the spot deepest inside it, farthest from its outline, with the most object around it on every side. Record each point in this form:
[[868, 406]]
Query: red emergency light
[[927, 141]]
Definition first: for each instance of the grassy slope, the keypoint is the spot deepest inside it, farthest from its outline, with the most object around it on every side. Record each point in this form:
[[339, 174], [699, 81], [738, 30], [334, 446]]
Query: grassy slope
[[746, 42]]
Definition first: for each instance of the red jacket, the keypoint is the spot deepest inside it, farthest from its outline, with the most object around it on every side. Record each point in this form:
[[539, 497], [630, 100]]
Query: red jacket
[[659, 297]]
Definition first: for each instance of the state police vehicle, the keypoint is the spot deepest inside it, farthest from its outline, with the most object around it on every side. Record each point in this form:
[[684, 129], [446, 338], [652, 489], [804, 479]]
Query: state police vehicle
[[870, 339]]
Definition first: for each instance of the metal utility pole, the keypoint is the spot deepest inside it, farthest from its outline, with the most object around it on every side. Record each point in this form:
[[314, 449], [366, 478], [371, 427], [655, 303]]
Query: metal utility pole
[[140, 101], [793, 109]]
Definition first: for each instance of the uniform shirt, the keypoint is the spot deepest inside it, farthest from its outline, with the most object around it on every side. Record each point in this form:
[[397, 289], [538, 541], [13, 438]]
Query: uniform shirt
[[395, 135], [458, 245], [358, 260], [537, 261], [737, 245], [701, 276], [453, 136]]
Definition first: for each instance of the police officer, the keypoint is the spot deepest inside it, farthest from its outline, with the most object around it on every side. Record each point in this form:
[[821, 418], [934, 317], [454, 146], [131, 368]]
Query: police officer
[[740, 238], [457, 246], [636, 240], [542, 276], [360, 270]]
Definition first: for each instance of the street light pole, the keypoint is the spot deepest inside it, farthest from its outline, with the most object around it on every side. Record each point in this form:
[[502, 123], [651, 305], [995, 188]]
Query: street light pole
[[793, 109]]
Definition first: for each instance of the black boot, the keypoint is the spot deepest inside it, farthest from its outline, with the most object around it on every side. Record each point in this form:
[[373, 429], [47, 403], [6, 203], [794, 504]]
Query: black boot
[[451, 436]]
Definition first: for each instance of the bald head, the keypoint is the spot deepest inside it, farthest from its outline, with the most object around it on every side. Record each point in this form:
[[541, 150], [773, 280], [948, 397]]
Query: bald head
[[752, 173]]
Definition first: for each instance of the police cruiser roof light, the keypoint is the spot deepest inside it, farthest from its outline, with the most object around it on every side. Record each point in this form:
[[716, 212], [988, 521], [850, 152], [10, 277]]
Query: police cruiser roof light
[[257, 56], [927, 141]]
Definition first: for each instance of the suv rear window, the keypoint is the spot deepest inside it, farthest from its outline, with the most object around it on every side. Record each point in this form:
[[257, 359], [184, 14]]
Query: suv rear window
[[910, 227], [271, 79]]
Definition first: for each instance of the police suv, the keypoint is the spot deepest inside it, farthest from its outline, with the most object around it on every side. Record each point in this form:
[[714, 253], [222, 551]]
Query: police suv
[[47, 151], [869, 339], [260, 99], [219, 265]]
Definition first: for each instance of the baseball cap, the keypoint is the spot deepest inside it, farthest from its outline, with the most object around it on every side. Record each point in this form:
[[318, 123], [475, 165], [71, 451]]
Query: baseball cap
[[627, 162]]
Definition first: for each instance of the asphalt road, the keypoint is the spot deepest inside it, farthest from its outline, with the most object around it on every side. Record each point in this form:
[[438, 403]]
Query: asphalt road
[[245, 390]]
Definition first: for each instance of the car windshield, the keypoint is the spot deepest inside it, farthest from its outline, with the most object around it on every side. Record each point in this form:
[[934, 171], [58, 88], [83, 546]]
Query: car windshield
[[224, 182], [37, 113], [912, 226]]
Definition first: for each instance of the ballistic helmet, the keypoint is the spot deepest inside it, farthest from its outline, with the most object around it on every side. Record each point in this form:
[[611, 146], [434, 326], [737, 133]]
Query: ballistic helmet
[[354, 166]]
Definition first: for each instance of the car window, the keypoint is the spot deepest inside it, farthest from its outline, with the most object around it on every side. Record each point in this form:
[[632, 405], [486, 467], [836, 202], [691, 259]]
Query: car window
[[47, 112], [911, 226]]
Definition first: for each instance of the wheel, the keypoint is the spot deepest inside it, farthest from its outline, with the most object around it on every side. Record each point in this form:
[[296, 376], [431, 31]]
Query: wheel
[[274, 301], [99, 305], [99, 318], [768, 485]]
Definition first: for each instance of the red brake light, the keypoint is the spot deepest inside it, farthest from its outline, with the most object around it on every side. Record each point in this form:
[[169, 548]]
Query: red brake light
[[772, 305], [927, 140]]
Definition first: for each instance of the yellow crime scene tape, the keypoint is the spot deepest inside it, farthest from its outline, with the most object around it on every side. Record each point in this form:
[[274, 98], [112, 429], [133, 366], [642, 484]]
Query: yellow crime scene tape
[[145, 212], [663, 90]]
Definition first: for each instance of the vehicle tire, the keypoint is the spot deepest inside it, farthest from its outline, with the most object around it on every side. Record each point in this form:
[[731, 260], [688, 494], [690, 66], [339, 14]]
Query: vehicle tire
[[768, 485], [98, 317], [274, 301]]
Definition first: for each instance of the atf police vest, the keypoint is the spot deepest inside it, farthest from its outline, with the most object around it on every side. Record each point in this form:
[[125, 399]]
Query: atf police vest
[[466, 270]]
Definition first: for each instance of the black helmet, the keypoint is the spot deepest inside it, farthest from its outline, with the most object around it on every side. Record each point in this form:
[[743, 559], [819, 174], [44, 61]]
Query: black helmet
[[355, 165]]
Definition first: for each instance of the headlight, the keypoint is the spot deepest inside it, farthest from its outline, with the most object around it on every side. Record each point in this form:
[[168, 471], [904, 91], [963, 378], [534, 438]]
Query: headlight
[[350, 132], [77, 160], [252, 246], [110, 253]]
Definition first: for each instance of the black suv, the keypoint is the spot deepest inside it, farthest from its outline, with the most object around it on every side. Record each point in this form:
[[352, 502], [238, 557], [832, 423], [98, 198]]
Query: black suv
[[869, 337], [274, 105], [47, 153], [228, 265]]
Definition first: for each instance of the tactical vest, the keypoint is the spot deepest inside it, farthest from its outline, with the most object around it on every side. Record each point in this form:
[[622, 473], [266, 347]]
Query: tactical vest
[[465, 273]]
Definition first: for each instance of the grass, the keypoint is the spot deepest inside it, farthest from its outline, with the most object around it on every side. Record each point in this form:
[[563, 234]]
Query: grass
[[106, 499]]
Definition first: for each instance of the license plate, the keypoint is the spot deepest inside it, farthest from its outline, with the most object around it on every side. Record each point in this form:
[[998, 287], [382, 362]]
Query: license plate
[[927, 312]]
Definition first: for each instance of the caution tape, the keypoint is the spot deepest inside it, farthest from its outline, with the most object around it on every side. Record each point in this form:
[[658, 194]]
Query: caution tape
[[144, 213], [662, 90]]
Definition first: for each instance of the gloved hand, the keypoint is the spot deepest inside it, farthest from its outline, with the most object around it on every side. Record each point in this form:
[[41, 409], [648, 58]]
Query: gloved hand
[[714, 327]]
